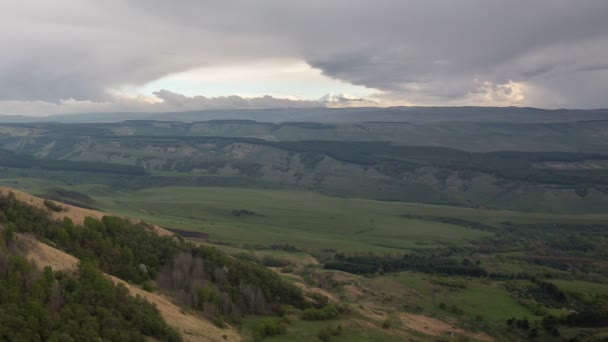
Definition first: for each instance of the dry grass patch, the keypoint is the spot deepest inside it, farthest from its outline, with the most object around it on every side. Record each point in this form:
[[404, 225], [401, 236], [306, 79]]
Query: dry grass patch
[[435, 327], [76, 214]]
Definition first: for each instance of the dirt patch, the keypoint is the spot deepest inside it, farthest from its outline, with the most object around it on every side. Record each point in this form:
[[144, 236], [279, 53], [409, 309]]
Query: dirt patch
[[421, 324], [353, 292], [436, 327], [44, 255]]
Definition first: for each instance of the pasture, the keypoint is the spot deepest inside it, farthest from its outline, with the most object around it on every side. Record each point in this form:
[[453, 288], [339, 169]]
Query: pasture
[[311, 220], [303, 219]]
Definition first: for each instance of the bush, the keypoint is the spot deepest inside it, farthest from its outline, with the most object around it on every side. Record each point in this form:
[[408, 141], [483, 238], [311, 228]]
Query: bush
[[327, 312], [269, 327], [147, 286], [327, 333], [53, 206], [218, 321], [271, 261]]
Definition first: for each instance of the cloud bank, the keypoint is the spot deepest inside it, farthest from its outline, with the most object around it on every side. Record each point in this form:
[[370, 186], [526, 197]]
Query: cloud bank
[[72, 55]]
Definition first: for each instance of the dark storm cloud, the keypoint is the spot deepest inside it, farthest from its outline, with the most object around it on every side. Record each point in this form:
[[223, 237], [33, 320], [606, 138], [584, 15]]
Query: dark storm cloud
[[423, 51]]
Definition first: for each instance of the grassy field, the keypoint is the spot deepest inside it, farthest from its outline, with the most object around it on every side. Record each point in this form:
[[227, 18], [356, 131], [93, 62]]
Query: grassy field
[[485, 300], [310, 220], [303, 219]]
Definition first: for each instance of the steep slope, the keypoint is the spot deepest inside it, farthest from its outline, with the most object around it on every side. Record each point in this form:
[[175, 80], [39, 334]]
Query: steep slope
[[191, 326], [76, 214]]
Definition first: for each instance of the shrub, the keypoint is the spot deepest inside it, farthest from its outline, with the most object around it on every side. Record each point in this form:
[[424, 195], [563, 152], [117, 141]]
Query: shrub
[[271, 261], [327, 312], [53, 206], [269, 327], [147, 286], [327, 333], [218, 321]]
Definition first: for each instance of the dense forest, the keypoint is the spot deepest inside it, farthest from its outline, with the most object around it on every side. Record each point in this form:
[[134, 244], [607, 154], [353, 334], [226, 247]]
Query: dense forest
[[43, 305]]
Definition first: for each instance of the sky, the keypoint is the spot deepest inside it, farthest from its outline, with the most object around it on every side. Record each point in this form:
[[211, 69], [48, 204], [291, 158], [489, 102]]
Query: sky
[[76, 56]]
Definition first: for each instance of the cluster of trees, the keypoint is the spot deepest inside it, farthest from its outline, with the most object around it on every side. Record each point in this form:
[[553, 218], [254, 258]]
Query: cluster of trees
[[57, 306], [270, 327], [371, 264], [591, 317], [593, 314], [541, 295], [198, 276], [524, 324], [556, 245], [251, 288], [53, 206], [588, 311]]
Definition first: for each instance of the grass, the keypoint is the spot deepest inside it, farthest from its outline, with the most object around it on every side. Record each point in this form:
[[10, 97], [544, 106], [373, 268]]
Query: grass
[[353, 330], [488, 300], [310, 220], [304, 219]]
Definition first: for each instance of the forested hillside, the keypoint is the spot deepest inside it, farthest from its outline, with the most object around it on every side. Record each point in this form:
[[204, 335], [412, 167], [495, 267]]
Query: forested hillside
[[42, 304], [85, 305]]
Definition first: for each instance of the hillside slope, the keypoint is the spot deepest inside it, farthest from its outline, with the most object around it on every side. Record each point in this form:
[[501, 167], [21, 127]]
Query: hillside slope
[[191, 326], [76, 214]]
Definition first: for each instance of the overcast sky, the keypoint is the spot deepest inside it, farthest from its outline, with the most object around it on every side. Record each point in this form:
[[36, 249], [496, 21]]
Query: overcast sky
[[67, 56]]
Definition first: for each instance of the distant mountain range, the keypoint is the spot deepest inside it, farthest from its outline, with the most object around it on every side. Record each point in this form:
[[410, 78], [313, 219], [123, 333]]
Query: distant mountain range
[[340, 115]]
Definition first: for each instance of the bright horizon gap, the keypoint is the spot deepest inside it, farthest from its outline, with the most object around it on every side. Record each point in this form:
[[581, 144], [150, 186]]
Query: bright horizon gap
[[290, 79]]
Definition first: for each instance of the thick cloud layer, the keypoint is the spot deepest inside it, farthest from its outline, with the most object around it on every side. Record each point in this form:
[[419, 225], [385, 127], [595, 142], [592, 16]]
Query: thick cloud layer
[[548, 53]]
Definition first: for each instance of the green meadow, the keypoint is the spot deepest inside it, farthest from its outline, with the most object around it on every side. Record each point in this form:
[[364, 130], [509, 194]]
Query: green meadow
[[310, 220], [303, 219]]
